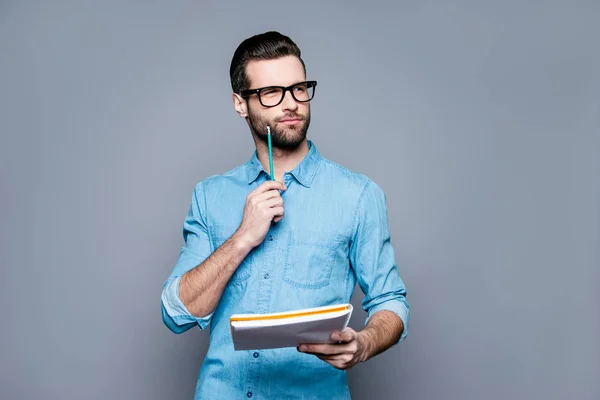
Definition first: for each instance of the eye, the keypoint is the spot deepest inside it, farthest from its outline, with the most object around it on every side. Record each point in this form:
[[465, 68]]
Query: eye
[[271, 92], [300, 88]]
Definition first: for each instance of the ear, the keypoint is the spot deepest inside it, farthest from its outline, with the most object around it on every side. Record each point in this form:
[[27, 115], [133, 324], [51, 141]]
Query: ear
[[240, 105]]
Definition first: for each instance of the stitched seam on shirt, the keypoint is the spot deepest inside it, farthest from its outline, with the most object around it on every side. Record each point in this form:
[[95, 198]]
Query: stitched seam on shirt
[[346, 275], [188, 250], [301, 285], [315, 170], [343, 169], [232, 171], [204, 216], [356, 174], [354, 217], [318, 244]]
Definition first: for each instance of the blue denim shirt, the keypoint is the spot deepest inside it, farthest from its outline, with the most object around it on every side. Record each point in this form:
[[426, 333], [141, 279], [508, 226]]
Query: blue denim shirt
[[334, 234]]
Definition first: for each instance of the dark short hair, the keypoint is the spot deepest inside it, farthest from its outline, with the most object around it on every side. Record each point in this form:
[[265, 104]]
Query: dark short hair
[[265, 46]]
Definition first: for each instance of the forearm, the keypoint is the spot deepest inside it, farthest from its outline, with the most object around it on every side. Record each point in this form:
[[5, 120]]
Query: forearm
[[201, 288], [382, 331]]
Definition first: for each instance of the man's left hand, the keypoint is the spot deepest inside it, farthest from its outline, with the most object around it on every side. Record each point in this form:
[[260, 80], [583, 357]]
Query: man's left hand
[[350, 349]]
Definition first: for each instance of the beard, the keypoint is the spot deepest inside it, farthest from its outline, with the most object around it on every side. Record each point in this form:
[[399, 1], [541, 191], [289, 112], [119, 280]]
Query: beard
[[282, 137]]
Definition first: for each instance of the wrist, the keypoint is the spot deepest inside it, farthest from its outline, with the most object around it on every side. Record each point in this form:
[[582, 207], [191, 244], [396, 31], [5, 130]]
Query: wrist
[[365, 343], [241, 244]]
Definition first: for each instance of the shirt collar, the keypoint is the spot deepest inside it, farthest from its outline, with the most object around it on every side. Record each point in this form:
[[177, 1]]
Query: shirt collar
[[304, 172]]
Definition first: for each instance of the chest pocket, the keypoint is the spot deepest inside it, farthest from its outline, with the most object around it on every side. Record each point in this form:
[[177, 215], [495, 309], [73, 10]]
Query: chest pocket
[[244, 271], [312, 258]]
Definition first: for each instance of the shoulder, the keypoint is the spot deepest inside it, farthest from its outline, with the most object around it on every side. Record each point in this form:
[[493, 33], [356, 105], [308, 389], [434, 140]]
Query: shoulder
[[218, 188], [348, 178], [227, 179]]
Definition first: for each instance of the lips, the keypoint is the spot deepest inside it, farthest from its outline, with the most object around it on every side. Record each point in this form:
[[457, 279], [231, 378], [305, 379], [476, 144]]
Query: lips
[[290, 121]]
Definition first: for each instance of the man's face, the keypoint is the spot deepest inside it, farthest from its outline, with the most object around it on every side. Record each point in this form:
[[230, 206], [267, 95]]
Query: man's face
[[290, 119]]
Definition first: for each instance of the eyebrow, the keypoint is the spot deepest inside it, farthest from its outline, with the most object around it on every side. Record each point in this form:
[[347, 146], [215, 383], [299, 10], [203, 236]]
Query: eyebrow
[[275, 85]]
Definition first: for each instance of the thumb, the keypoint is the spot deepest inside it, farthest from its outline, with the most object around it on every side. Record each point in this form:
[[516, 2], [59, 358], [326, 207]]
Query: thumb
[[347, 335]]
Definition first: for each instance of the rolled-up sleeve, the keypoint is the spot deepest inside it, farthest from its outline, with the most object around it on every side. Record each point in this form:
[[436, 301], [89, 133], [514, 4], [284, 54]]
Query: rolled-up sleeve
[[196, 249], [372, 257]]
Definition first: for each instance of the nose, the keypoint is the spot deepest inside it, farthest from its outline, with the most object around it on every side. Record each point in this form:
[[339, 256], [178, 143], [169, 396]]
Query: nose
[[288, 102]]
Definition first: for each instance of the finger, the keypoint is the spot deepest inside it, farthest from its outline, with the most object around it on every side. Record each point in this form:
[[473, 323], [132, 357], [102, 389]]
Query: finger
[[347, 335], [338, 362], [337, 358], [264, 196], [324, 349], [342, 337], [330, 357], [276, 212], [274, 202], [270, 185], [336, 336], [279, 215]]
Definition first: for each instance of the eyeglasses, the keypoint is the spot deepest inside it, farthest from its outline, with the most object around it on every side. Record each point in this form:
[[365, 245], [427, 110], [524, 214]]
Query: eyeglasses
[[272, 96]]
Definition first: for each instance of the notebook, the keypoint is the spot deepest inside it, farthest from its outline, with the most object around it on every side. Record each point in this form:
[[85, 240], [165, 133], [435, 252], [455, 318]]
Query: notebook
[[288, 329]]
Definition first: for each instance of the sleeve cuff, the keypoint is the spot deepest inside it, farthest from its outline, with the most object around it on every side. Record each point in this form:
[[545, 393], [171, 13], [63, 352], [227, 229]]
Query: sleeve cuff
[[399, 308], [175, 308]]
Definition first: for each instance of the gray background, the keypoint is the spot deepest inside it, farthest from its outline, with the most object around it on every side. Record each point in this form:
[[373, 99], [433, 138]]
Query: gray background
[[480, 121]]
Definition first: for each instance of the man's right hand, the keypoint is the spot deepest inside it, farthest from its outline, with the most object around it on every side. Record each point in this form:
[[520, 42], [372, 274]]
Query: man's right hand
[[263, 205], [201, 288]]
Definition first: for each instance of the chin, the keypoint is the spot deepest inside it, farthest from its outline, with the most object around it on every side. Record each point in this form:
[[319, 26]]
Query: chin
[[290, 137], [291, 142]]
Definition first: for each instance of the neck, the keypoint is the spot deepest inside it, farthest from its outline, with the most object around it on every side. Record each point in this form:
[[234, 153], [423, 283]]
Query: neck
[[284, 160]]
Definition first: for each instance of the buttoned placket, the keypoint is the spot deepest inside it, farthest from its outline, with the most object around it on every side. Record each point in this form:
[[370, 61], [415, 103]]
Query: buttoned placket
[[265, 290]]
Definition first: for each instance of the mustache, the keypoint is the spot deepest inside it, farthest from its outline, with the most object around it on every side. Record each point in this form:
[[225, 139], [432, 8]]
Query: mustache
[[290, 116]]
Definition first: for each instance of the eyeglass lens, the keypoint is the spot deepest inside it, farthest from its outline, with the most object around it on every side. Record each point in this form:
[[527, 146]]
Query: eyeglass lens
[[273, 96]]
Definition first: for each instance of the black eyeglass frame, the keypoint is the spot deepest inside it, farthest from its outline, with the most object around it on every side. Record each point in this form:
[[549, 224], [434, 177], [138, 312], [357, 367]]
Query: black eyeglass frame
[[309, 84]]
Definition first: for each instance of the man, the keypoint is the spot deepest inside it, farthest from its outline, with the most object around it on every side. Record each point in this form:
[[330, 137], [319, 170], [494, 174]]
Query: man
[[255, 245]]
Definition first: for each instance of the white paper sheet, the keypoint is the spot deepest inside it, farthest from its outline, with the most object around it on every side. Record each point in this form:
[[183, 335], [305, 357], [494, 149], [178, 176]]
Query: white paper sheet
[[279, 330]]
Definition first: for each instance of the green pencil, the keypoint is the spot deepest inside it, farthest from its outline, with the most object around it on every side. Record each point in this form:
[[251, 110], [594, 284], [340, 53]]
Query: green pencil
[[271, 172]]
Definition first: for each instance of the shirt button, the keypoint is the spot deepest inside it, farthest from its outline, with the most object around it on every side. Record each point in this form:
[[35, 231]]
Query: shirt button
[[270, 238], [249, 394], [266, 276], [255, 355]]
